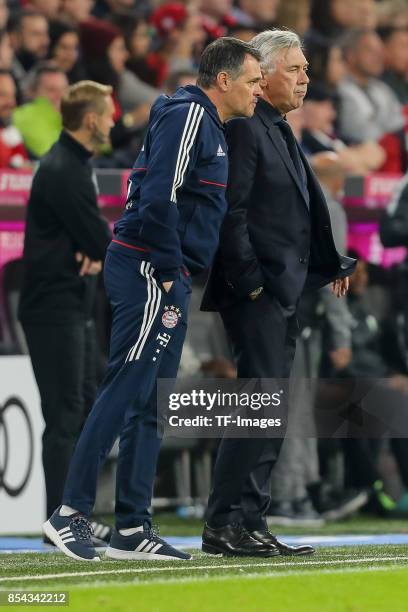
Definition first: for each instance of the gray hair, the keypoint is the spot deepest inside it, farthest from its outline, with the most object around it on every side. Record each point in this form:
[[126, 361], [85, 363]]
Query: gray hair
[[270, 42]]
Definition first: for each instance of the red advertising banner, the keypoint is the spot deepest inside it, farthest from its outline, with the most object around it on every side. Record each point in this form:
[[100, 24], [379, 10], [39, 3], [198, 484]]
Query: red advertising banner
[[15, 186]]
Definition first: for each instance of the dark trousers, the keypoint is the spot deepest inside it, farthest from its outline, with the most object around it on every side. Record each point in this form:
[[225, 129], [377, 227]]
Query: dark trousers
[[148, 331], [263, 339], [361, 459], [64, 363], [399, 447]]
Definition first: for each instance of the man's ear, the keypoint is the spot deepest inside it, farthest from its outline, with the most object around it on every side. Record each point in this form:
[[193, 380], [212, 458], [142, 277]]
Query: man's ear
[[89, 120], [223, 81]]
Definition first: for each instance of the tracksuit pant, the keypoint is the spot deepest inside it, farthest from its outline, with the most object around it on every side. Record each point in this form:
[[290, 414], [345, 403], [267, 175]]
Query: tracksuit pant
[[148, 331]]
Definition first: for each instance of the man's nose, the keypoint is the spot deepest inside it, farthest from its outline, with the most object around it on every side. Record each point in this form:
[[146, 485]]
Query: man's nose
[[303, 77], [258, 89]]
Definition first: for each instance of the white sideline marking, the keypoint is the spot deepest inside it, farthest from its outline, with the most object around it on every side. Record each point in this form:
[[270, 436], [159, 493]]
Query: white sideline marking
[[252, 576], [187, 567]]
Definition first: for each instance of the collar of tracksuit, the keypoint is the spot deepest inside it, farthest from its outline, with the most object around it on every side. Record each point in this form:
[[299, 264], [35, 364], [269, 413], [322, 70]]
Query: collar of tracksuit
[[196, 94], [71, 143]]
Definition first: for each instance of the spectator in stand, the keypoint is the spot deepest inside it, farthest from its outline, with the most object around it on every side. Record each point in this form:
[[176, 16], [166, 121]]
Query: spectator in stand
[[326, 61], [376, 354], [138, 35], [181, 78], [331, 174], [217, 9], [332, 18], [393, 13], [104, 9], [39, 121], [216, 17], [13, 154], [369, 109], [76, 11], [6, 51], [4, 13], [180, 38], [394, 233], [366, 12], [105, 58], [294, 15], [28, 31], [243, 32], [256, 12], [48, 8], [318, 135], [64, 50], [395, 41]]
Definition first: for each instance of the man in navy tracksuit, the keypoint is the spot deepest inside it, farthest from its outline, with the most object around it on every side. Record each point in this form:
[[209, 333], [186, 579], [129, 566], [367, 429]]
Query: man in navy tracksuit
[[169, 231]]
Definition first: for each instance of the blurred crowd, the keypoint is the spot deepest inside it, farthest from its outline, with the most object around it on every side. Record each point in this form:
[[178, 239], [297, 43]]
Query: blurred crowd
[[354, 121], [357, 50]]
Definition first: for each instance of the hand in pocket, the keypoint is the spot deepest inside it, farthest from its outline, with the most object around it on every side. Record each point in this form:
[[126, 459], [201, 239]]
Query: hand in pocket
[[167, 286]]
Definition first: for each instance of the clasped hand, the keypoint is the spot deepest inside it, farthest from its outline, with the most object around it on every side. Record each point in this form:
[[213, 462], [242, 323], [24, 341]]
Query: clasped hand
[[340, 287], [88, 266]]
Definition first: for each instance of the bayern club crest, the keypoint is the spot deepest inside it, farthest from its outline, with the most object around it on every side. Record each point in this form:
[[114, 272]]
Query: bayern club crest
[[171, 316]]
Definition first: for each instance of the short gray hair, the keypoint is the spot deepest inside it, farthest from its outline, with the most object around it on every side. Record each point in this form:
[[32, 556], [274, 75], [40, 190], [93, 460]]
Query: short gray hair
[[270, 42]]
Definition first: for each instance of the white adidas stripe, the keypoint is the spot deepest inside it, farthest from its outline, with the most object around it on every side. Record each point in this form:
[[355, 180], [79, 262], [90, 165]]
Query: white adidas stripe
[[156, 307], [187, 148], [100, 531], [191, 110], [150, 312], [69, 538], [146, 310], [147, 546], [191, 126], [144, 271], [141, 545], [63, 530], [182, 150], [153, 297]]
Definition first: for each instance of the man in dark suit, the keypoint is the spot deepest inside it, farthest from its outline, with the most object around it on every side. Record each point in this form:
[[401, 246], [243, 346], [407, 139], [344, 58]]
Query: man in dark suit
[[275, 241]]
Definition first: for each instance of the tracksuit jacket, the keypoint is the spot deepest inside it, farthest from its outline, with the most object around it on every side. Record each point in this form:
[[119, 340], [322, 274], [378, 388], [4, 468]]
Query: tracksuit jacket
[[176, 192]]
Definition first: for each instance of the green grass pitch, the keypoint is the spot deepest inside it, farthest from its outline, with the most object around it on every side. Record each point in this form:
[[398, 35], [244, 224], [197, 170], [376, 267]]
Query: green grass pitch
[[342, 579]]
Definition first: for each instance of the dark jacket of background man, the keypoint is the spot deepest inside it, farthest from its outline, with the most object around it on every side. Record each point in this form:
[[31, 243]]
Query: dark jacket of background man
[[62, 218], [57, 302]]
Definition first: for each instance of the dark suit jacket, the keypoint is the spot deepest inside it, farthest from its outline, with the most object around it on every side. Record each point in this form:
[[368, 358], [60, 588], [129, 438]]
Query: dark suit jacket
[[270, 236]]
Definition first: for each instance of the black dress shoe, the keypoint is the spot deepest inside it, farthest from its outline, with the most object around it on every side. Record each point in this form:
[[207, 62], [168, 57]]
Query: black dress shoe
[[235, 541], [265, 537]]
